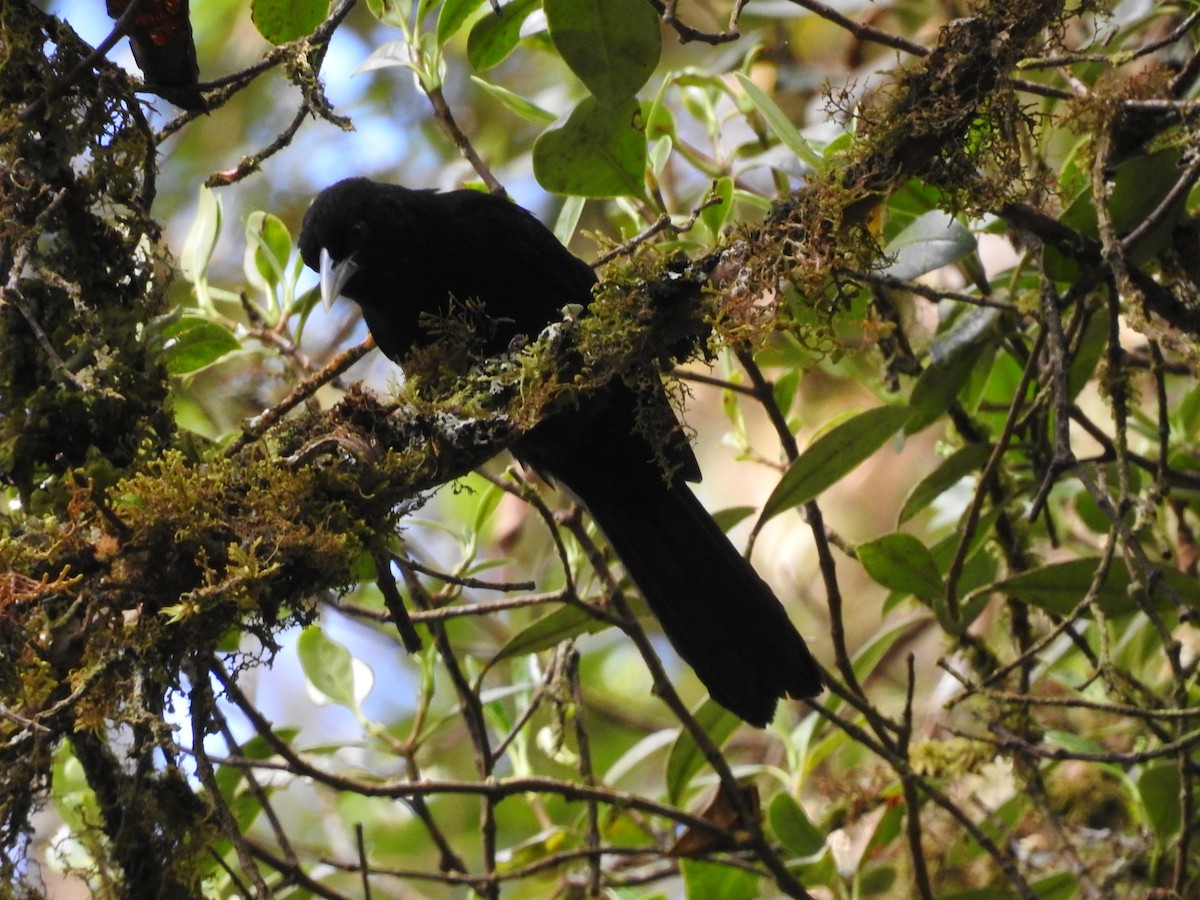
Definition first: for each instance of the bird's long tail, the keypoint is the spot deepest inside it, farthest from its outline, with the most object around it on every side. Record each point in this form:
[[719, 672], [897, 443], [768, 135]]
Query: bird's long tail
[[720, 616]]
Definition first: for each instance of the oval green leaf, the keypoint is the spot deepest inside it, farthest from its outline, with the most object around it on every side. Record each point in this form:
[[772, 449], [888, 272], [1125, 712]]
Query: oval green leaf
[[496, 35], [526, 109], [702, 878], [280, 21], [327, 665], [1058, 588], [874, 881], [900, 562], [832, 456], [193, 343], [938, 385], [954, 468], [612, 45], [1158, 788], [931, 241], [715, 216], [269, 244], [793, 827], [453, 14], [780, 124], [202, 236], [550, 631], [600, 151], [728, 518]]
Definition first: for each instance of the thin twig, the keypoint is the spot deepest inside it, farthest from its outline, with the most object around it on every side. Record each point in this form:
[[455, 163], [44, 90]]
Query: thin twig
[[445, 118], [687, 33], [261, 424], [861, 31], [202, 705], [912, 802], [252, 163], [659, 225], [363, 862], [1119, 58], [926, 291]]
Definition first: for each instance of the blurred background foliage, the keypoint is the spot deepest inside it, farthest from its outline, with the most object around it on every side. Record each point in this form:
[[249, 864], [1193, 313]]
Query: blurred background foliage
[[953, 253]]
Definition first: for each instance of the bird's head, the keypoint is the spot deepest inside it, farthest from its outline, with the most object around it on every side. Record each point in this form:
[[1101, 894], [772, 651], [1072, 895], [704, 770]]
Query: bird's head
[[341, 237]]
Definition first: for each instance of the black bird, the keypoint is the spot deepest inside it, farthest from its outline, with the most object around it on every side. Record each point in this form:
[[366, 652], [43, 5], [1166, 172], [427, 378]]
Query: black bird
[[399, 253]]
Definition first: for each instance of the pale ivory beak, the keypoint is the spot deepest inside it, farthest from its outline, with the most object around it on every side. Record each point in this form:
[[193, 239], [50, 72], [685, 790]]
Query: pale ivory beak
[[334, 276]]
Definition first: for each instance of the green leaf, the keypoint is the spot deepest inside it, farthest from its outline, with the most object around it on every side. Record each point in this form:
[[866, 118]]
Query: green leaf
[[202, 236], [660, 121], [268, 248], [780, 124], [660, 153], [200, 243], [832, 456], [568, 219], [685, 758], [600, 151], [900, 562], [1138, 186], [870, 654], [390, 54], [73, 798], [953, 356], [280, 21], [931, 241], [489, 499], [612, 45], [972, 329], [1186, 417], [638, 754], [887, 830], [938, 385], [1058, 588], [391, 12], [714, 217], [328, 666], [957, 623], [1076, 743], [708, 879], [944, 477], [528, 111], [874, 881], [783, 391], [550, 631], [727, 518], [1159, 790], [793, 828], [229, 777], [496, 35], [1091, 347], [453, 16], [1059, 886], [537, 848], [906, 204], [194, 342]]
